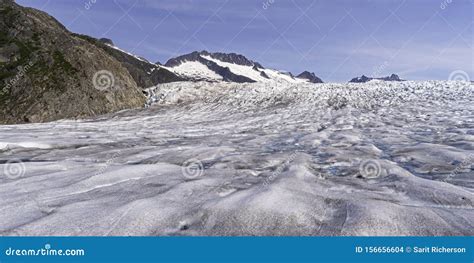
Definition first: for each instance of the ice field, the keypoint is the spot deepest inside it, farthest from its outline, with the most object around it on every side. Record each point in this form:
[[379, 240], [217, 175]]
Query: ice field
[[381, 158]]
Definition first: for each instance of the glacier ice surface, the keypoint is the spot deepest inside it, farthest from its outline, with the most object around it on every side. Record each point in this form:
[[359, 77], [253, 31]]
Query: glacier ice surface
[[379, 158]]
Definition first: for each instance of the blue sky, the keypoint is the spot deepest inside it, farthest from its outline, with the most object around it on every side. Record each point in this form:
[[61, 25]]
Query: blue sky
[[338, 39]]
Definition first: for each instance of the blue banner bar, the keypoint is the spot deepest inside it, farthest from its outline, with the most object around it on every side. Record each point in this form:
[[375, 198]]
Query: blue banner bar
[[237, 249]]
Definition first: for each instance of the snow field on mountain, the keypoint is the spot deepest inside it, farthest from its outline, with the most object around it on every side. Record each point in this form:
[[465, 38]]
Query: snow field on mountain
[[196, 70]]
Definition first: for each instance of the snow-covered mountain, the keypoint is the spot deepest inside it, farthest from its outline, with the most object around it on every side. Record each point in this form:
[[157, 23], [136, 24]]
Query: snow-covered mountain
[[230, 67], [364, 78], [310, 76]]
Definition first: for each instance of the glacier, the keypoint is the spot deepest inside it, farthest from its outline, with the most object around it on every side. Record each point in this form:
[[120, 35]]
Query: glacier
[[379, 158]]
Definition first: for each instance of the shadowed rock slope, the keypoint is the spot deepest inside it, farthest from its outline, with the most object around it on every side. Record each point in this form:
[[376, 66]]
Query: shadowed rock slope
[[145, 73], [47, 73]]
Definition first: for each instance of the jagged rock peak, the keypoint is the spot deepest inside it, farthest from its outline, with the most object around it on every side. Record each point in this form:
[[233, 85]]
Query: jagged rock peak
[[310, 76], [224, 57], [363, 79]]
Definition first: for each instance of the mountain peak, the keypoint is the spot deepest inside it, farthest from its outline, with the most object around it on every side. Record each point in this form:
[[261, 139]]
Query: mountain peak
[[231, 67], [233, 58], [310, 76], [394, 77], [363, 78]]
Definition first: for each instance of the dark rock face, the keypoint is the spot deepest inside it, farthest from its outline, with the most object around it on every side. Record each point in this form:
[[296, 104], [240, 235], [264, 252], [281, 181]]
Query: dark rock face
[[224, 57], [263, 74], [258, 67], [233, 58], [173, 62], [47, 73], [144, 73], [310, 76], [361, 79], [364, 79], [393, 77], [225, 72], [107, 41]]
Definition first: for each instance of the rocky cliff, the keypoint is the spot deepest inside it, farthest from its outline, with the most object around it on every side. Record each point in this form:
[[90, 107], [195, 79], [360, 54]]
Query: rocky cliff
[[48, 73], [145, 73]]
